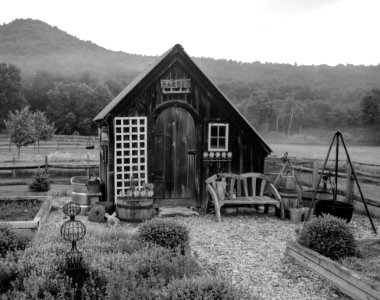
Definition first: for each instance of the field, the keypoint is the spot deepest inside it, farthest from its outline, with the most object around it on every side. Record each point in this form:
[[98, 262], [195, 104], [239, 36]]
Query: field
[[360, 154], [59, 149]]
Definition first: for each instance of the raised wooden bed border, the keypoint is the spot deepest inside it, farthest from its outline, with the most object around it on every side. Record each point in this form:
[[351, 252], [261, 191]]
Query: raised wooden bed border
[[347, 281], [40, 217]]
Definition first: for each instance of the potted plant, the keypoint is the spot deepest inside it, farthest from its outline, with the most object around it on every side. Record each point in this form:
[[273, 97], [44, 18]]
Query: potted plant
[[136, 204]]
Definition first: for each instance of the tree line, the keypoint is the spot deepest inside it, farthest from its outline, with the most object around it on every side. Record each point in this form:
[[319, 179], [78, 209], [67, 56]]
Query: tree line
[[72, 102]]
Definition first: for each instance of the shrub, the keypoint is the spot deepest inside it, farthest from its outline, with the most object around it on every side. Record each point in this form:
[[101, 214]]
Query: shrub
[[94, 287], [8, 273], [165, 233], [40, 183], [328, 236], [147, 271], [96, 214], [204, 287], [7, 240]]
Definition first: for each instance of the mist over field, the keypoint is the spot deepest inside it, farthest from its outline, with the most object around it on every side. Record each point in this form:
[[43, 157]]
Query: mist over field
[[71, 80]]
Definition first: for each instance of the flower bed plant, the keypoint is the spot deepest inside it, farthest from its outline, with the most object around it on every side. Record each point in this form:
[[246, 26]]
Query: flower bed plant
[[25, 212], [118, 264], [19, 210]]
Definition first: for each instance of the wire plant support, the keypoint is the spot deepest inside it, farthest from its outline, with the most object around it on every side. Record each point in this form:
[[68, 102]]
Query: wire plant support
[[338, 135]]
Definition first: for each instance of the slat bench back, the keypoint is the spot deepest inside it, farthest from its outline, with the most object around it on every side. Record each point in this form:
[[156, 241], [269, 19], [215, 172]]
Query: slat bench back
[[249, 189], [253, 184]]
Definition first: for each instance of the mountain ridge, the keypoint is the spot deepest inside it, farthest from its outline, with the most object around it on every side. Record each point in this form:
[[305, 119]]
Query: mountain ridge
[[33, 46]]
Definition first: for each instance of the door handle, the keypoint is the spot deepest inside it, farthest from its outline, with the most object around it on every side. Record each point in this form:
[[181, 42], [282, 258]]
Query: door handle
[[192, 152]]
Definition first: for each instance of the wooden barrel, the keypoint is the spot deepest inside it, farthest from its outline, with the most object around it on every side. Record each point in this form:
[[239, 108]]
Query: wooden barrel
[[134, 210], [307, 196], [81, 195], [290, 199]]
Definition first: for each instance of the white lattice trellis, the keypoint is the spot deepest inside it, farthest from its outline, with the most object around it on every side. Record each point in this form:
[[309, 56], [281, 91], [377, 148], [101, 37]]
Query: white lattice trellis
[[130, 152]]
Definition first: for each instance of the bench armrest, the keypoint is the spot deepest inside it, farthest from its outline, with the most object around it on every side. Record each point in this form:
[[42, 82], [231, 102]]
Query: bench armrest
[[273, 191], [214, 197]]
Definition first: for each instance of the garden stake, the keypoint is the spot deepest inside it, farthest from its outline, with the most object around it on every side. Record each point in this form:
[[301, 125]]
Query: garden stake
[[73, 231], [336, 136]]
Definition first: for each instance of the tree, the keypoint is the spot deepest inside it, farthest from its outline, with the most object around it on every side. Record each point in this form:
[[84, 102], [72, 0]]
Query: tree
[[43, 130], [20, 127], [370, 113], [73, 105], [370, 108], [11, 93], [260, 110]]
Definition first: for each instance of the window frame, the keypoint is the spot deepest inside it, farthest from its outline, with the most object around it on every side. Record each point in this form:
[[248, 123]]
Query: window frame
[[226, 137]]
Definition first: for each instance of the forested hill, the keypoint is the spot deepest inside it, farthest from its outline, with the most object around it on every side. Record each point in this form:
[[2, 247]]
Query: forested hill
[[36, 46], [33, 46], [274, 97]]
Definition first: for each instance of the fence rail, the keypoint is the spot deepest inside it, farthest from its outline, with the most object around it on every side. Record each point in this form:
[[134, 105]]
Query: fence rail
[[46, 166], [59, 142], [309, 177]]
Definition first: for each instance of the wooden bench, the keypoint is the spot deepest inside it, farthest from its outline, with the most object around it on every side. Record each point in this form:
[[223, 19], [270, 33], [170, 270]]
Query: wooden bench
[[244, 189]]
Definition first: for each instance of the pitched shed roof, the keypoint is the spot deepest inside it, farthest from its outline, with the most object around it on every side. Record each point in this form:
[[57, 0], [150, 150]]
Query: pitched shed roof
[[177, 48]]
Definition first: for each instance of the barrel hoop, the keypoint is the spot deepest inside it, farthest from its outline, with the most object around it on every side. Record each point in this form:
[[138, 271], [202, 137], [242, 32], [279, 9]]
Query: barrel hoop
[[134, 206], [86, 194]]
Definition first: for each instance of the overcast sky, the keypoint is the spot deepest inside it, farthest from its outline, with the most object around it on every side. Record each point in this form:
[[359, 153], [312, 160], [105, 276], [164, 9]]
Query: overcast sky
[[283, 31]]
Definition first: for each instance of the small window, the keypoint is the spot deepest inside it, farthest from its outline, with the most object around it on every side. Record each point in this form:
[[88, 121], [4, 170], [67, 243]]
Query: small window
[[217, 137]]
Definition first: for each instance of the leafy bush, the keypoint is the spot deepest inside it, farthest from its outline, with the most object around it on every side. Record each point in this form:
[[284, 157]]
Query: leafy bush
[[165, 233], [147, 271], [94, 287], [204, 287], [40, 183], [8, 273], [7, 240], [328, 236]]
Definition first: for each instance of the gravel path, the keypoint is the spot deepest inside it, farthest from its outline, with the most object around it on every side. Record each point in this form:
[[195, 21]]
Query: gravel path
[[251, 251]]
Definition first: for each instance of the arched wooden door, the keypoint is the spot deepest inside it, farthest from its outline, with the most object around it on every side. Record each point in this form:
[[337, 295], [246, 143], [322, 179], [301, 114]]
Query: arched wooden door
[[174, 157]]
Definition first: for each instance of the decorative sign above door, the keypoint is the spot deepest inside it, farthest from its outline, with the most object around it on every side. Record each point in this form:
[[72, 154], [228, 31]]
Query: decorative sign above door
[[175, 86]]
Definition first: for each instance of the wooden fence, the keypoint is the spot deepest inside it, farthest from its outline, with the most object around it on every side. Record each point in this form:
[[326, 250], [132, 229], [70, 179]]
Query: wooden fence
[[89, 167], [308, 173], [58, 142]]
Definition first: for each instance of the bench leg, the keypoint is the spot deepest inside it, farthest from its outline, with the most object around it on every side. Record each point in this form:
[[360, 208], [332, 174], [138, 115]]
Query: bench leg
[[217, 211]]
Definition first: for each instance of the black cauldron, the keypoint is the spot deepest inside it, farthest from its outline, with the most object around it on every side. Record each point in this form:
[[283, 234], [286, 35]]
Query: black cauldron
[[338, 209]]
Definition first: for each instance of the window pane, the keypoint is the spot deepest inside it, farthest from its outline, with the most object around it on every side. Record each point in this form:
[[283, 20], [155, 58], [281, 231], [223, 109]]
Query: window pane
[[222, 143], [213, 143], [214, 130], [222, 131]]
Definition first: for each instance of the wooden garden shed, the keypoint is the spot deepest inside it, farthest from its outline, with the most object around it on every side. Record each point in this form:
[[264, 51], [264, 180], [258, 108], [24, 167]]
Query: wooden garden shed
[[173, 127]]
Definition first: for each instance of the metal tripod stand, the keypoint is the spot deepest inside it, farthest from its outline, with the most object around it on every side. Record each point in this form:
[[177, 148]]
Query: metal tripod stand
[[338, 135]]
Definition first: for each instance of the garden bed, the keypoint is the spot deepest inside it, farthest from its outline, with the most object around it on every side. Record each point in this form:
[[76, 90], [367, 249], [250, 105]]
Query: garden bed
[[25, 212], [249, 250], [349, 282]]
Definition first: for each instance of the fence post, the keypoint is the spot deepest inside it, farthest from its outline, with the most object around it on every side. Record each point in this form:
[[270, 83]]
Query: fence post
[[315, 175], [349, 184], [58, 143], [14, 171], [46, 164], [88, 165]]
